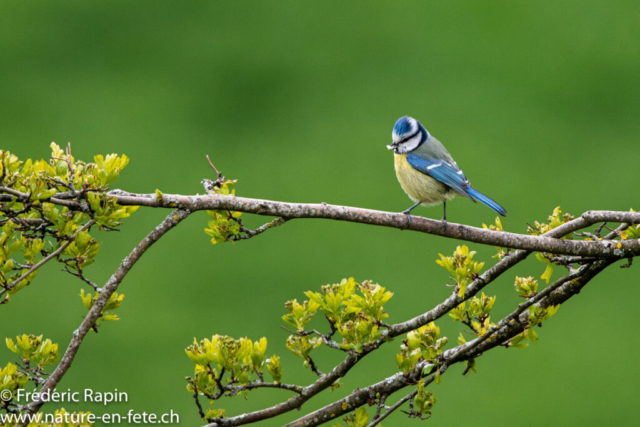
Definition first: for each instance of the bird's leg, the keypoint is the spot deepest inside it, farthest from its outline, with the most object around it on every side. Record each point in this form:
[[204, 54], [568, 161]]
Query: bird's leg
[[444, 214], [408, 213]]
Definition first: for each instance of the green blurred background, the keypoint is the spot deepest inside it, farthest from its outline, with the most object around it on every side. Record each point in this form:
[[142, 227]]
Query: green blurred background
[[538, 103]]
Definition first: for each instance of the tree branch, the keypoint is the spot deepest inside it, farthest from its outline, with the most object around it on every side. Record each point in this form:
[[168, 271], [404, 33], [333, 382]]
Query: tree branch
[[440, 310], [601, 248], [109, 288], [457, 354]]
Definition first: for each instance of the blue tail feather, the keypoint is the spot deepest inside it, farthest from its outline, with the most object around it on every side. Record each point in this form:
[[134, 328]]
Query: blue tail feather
[[486, 201]]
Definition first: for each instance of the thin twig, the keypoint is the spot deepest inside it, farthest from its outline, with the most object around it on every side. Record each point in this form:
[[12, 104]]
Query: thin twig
[[313, 367], [381, 401], [598, 230], [588, 234], [251, 233], [219, 174], [378, 419], [81, 277], [468, 368], [195, 397]]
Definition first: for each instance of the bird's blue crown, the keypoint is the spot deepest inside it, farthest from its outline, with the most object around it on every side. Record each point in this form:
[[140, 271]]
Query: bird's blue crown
[[403, 126]]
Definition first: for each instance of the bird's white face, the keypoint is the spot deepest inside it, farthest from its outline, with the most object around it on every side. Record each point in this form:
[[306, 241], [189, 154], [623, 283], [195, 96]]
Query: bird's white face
[[406, 136]]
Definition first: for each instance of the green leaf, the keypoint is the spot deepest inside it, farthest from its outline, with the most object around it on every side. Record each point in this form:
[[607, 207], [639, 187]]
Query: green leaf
[[547, 273]]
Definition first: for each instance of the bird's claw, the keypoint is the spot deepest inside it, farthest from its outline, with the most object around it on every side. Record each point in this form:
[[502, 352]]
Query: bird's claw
[[408, 214], [444, 222]]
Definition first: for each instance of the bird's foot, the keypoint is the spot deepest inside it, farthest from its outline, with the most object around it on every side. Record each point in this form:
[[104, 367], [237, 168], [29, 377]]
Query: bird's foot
[[408, 214], [444, 222]]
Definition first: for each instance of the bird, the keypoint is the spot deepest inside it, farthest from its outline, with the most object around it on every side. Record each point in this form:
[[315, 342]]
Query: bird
[[427, 172]]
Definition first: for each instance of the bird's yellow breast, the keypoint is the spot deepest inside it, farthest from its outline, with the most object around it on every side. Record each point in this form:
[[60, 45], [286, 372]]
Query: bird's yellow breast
[[418, 186]]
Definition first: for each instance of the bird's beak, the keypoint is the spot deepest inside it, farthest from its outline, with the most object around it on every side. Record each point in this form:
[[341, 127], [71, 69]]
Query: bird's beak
[[392, 146]]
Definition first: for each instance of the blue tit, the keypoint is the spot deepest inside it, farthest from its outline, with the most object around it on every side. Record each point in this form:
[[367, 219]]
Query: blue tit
[[426, 170]]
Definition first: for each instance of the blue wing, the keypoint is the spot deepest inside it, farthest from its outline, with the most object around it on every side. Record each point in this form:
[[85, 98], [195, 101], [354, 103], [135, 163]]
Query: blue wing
[[442, 171], [451, 176]]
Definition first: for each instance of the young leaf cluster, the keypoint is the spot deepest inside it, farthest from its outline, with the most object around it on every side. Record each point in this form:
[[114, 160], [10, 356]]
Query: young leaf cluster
[[633, 232], [556, 219], [35, 354], [225, 225], [477, 310], [462, 266], [241, 360], [526, 287], [502, 252], [12, 379], [302, 346], [32, 348], [114, 302], [356, 317], [421, 344], [477, 317], [424, 400], [36, 220]]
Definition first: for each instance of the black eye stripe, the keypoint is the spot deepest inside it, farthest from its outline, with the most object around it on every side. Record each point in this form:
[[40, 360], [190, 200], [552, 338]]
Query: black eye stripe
[[410, 136]]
